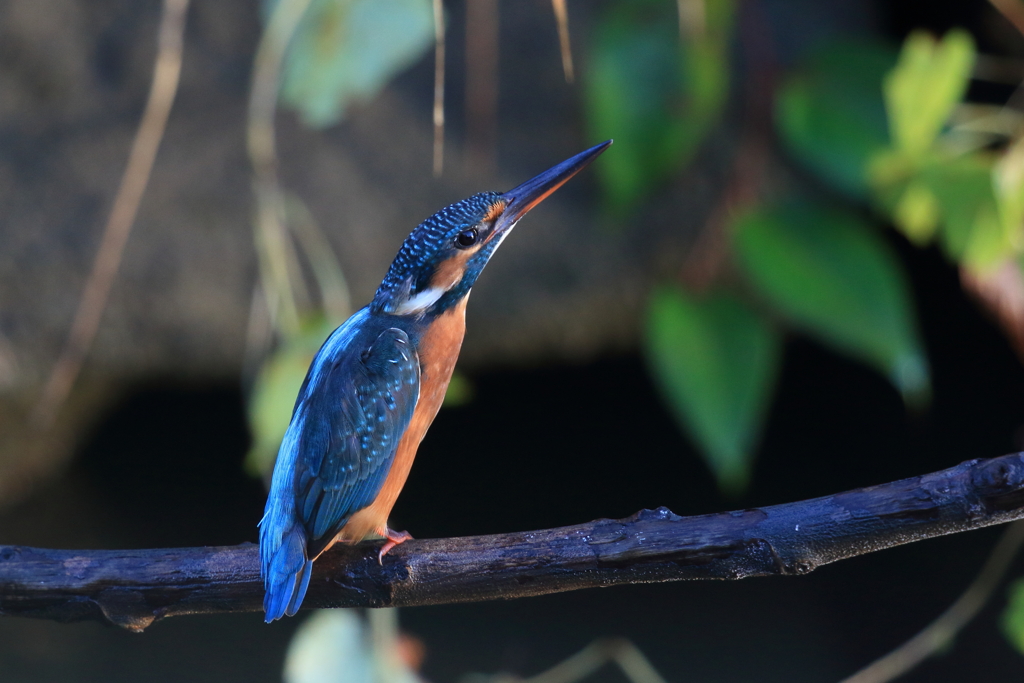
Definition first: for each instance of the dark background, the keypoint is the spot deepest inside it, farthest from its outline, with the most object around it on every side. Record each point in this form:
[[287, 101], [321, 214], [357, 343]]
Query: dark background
[[559, 444]]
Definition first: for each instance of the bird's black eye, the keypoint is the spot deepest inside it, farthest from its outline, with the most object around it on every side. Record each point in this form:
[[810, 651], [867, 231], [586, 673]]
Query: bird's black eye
[[466, 238]]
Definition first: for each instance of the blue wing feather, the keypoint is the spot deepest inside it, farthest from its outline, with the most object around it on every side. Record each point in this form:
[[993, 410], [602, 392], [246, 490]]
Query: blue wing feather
[[356, 402]]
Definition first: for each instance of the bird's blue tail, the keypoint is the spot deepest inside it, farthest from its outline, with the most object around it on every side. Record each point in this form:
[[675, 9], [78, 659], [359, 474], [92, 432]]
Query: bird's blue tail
[[285, 570]]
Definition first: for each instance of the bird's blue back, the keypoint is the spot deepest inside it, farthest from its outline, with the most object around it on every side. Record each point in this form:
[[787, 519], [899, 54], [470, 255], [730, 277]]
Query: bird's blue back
[[354, 405]]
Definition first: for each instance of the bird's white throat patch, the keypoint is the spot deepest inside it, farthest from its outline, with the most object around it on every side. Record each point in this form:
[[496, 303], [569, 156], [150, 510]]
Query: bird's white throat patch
[[421, 301]]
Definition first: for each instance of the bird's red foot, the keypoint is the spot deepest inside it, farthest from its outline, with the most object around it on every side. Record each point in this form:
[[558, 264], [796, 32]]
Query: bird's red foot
[[394, 538]]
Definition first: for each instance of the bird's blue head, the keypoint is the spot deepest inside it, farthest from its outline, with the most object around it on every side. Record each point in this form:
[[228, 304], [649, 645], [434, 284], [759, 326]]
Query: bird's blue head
[[440, 261]]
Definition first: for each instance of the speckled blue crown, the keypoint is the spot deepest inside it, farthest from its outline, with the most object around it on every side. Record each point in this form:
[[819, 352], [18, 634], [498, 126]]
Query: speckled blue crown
[[421, 248]]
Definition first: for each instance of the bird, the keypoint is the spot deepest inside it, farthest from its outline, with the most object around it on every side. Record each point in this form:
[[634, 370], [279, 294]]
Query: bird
[[375, 386]]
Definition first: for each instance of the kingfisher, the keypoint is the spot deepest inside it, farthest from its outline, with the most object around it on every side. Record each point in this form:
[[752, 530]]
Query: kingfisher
[[376, 385]]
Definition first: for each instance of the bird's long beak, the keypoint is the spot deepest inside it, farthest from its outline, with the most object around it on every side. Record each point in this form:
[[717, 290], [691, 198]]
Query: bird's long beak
[[531, 193]]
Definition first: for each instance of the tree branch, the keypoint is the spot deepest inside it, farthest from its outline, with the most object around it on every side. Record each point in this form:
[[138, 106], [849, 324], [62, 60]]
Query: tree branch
[[133, 588]]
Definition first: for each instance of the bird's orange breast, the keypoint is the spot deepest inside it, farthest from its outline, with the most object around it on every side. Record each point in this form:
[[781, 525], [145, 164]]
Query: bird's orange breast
[[438, 351]]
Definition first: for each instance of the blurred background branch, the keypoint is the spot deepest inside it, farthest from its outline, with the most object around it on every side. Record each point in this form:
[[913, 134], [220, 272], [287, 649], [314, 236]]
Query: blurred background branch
[[482, 82], [282, 287], [166, 72], [564, 43], [627, 656], [939, 634], [438, 110]]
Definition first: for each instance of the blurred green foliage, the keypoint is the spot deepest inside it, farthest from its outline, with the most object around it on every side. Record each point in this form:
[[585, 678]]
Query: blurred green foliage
[[831, 276], [920, 93], [273, 393], [1013, 616], [656, 95], [873, 125], [347, 50], [830, 114], [340, 646], [929, 188], [715, 360], [459, 391]]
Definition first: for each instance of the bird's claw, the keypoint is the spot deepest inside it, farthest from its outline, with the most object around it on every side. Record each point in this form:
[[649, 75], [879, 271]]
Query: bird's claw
[[393, 538]]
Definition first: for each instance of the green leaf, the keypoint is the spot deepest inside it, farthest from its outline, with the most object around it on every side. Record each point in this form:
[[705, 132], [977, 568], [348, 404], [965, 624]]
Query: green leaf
[[705, 53], [972, 231], [331, 646], [459, 392], [715, 361], [347, 50], [989, 246], [831, 115], [657, 98], [978, 205], [1013, 616], [917, 213], [831, 275], [632, 91], [1009, 188], [273, 394], [928, 81], [337, 646]]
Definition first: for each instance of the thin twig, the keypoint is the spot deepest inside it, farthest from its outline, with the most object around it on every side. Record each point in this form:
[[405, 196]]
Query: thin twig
[[273, 245], [562, 17], [636, 667], [710, 251], [334, 294], [481, 82], [438, 88], [692, 18], [940, 633], [166, 72], [259, 336]]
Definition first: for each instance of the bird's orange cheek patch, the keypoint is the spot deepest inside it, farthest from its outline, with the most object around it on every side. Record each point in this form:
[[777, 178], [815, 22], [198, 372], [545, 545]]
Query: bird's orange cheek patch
[[449, 272]]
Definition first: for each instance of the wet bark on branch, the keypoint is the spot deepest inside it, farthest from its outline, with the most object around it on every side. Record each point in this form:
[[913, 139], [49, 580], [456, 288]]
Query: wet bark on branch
[[133, 588]]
